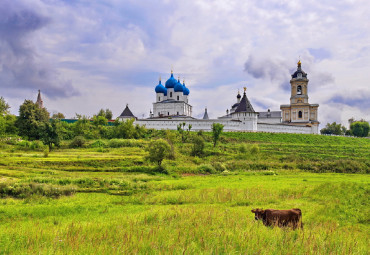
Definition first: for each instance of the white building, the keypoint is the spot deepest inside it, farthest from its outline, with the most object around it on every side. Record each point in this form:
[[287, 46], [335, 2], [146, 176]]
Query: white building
[[172, 108]]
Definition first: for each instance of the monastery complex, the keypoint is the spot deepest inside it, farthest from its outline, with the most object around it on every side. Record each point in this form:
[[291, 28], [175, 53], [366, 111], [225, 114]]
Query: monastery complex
[[172, 108]]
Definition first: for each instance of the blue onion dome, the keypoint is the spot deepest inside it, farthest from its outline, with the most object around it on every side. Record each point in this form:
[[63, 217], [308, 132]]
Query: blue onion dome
[[171, 82], [160, 88], [186, 90], [178, 86]]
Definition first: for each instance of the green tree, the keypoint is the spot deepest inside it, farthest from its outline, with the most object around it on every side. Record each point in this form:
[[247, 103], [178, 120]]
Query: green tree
[[360, 128], [58, 115], [31, 119], [51, 133], [100, 120], [216, 132], [198, 146], [183, 132], [105, 113], [158, 151], [4, 107], [333, 129]]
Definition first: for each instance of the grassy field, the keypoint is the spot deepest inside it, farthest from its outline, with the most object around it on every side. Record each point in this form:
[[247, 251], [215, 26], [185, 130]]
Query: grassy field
[[109, 199]]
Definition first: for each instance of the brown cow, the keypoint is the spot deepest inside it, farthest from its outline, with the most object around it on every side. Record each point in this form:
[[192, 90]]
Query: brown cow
[[281, 218]]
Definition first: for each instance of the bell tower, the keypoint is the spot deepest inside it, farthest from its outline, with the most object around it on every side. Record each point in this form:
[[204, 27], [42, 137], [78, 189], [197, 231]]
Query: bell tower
[[299, 111]]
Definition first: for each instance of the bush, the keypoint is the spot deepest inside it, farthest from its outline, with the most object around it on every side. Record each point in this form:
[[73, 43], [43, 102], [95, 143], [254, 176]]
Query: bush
[[198, 146], [255, 149], [243, 148], [158, 151], [119, 143], [25, 190], [78, 142], [206, 169], [98, 144], [35, 145], [46, 152], [219, 167]]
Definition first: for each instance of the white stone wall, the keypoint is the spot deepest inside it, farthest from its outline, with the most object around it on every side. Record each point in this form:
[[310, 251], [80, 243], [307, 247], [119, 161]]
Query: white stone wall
[[269, 120], [205, 125], [229, 125], [281, 128]]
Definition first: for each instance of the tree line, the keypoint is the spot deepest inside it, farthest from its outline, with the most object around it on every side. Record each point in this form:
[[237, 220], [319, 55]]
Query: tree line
[[357, 128]]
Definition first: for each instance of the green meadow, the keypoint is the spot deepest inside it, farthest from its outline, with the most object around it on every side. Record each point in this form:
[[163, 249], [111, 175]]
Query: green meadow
[[107, 198]]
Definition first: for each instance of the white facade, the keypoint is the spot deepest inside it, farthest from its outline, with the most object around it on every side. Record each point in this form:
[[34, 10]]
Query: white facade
[[172, 108]]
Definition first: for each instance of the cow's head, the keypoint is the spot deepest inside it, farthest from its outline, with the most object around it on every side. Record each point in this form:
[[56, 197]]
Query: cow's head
[[258, 214]]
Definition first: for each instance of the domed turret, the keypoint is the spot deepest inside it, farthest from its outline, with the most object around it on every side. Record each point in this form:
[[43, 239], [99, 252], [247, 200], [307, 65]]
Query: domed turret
[[186, 90], [160, 88], [299, 74], [178, 87], [171, 82]]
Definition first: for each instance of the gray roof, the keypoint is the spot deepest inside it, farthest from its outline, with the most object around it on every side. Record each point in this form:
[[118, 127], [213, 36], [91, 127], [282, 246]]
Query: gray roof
[[205, 116], [270, 114], [127, 113], [244, 105]]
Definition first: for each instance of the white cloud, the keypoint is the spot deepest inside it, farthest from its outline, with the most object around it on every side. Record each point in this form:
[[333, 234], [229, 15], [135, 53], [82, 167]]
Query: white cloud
[[113, 52]]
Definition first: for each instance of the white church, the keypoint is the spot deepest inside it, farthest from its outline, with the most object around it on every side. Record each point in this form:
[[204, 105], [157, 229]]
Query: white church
[[172, 108]]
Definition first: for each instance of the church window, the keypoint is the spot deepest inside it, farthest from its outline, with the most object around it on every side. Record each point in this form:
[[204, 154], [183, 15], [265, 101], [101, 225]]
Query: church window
[[300, 114], [159, 98], [178, 113], [178, 98], [170, 94], [299, 90]]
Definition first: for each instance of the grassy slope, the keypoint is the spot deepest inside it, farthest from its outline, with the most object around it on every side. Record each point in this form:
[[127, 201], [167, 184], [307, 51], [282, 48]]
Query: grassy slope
[[115, 211]]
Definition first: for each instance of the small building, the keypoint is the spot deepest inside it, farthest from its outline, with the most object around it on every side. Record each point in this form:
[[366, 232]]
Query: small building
[[126, 114]]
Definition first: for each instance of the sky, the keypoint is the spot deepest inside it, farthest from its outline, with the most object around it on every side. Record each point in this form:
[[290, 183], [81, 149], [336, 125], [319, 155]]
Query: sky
[[86, 55]]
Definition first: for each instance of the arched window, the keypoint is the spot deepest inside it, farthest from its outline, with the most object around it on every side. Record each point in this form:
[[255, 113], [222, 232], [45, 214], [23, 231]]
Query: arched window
[[299, 90], [178, 98], [170, 94], [159, 98], [300, 114]]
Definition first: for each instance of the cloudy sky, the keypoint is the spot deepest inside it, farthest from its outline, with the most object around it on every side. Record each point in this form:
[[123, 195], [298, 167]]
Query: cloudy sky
[[86, 55]]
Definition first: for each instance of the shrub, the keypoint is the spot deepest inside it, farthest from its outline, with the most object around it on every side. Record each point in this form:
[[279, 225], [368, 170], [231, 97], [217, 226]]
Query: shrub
[[25, 190], [216, 132], [206, 169], [78, 142], [243, 148], [255, 149], [35, 145], [46, 152], [219, 167], [198, 146], [158, 150], [98, 144], [119, 143]]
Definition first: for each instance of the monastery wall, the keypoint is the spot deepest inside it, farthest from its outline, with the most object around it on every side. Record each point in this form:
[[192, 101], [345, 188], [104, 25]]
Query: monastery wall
[[205, 125], [281, 128]]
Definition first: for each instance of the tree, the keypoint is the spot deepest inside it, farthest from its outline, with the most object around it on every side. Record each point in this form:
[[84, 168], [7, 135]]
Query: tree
[[105, 113], [58, 115], [198, 146], [4, 107], [99, 120], [360, 128], [333, 129], [31, 119], [158, 151], [184, 133], [51, 133], [216, 132]]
